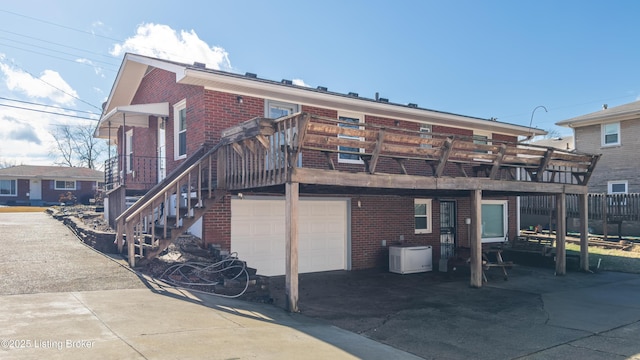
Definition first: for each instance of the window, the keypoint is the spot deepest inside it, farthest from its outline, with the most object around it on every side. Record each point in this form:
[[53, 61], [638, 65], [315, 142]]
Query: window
[[180, 129], [617, 187], [494, 220], [129, 151], [351, 156], [422, 216], [611, 134], [276, 110], [8, 188], [481, 138], [425, 133], [65, 185]]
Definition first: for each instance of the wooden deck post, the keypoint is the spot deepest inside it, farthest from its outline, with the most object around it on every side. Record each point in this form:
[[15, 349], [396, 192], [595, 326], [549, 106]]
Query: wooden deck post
[[131, 244], [476, 239], [561, 231], [291, 244], [584, 231]]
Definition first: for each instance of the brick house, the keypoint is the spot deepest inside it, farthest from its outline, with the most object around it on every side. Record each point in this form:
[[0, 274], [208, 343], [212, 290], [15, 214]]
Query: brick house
[[46, 185], [295, 178], [612, 132]]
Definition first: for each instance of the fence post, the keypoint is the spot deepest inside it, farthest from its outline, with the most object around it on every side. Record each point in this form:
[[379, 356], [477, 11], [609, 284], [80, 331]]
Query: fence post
[[605, 224]]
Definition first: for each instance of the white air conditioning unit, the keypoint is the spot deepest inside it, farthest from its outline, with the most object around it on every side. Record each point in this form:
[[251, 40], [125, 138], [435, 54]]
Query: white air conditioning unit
[[410, 259]]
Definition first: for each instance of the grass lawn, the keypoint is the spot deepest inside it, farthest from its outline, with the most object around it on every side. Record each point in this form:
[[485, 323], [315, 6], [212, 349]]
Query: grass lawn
[[611, 259], [16, 209]]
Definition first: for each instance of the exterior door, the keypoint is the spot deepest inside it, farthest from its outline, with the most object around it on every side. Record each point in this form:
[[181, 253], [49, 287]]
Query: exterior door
[[162, 150], [447, 229], [35, 189]]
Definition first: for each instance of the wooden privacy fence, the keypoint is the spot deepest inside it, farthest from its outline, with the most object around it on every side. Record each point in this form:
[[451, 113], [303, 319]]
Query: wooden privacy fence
[[610, 207]]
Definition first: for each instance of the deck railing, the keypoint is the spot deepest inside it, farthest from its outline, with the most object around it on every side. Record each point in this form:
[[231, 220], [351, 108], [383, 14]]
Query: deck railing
[[261, 152]]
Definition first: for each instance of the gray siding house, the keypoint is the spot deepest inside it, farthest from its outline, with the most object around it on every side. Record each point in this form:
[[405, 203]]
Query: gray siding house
[[615, 133]]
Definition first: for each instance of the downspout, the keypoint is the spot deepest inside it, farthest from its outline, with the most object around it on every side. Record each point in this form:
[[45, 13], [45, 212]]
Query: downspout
[[124, 150]]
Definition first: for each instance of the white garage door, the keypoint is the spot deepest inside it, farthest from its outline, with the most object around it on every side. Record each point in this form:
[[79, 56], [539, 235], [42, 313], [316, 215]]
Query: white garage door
[[258, 236]]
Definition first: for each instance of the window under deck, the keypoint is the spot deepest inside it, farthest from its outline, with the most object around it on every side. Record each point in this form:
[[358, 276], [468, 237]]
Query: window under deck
[[306, 149]]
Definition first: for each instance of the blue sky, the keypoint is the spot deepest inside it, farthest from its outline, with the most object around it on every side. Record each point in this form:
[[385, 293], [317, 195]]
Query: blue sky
[[486, 59]]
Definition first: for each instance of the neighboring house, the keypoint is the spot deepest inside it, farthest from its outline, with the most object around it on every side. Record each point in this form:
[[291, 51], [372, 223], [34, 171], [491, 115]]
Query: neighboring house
[[336, 179], [562, 143], [612, 132], [45, 185]]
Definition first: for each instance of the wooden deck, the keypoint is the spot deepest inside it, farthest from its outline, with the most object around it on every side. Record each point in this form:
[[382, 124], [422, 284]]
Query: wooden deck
[[265, 152]]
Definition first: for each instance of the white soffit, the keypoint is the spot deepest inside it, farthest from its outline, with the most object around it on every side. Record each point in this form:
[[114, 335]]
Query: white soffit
[[130, 115]]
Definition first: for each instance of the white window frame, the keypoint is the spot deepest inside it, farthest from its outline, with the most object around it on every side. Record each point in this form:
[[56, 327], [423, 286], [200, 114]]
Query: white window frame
[[291, 133], [268, 104], [603, 132], [55, 182], [14, 187], [360, 118], [428, 215], [425, 133], [129, 151], [610, 185], [177, 107], [505, 221]]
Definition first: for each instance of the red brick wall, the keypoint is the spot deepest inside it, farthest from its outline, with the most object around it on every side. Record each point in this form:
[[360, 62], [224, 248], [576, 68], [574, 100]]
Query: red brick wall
[[386, 218], [379, 217], [84, 190]]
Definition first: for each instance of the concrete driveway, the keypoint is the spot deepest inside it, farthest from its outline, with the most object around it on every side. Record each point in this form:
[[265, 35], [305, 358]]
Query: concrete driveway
[[533, 315], [60, 299]]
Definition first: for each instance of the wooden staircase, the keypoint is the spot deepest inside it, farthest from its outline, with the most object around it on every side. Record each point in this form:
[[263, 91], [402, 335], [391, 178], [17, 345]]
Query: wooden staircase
[[171, 207]]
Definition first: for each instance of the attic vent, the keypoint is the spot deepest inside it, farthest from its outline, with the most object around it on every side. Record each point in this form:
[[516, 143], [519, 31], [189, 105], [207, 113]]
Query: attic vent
[[354, 94], [322, 88], [412, 105], [251, 75], [200, 65], [287, 82], [383, 100]]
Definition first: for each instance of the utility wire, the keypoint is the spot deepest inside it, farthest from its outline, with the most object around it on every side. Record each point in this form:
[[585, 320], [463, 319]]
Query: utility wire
[[45, 105], [48, 112], [49, 49], [58, 44], [57, 88]]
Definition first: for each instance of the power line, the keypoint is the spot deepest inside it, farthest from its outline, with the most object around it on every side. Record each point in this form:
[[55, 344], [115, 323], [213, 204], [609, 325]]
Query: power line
[[58, 44], [45, 105], [49, 112], [55, 87], [49, 49], [61, 26]]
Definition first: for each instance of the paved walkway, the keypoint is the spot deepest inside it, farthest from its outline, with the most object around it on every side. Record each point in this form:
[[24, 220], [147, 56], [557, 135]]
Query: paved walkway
[[61, 300]]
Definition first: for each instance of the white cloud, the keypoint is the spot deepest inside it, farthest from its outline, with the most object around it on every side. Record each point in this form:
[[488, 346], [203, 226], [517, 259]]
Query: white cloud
[[161, 41], [97, 69], [50, 85], [299, 82]]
